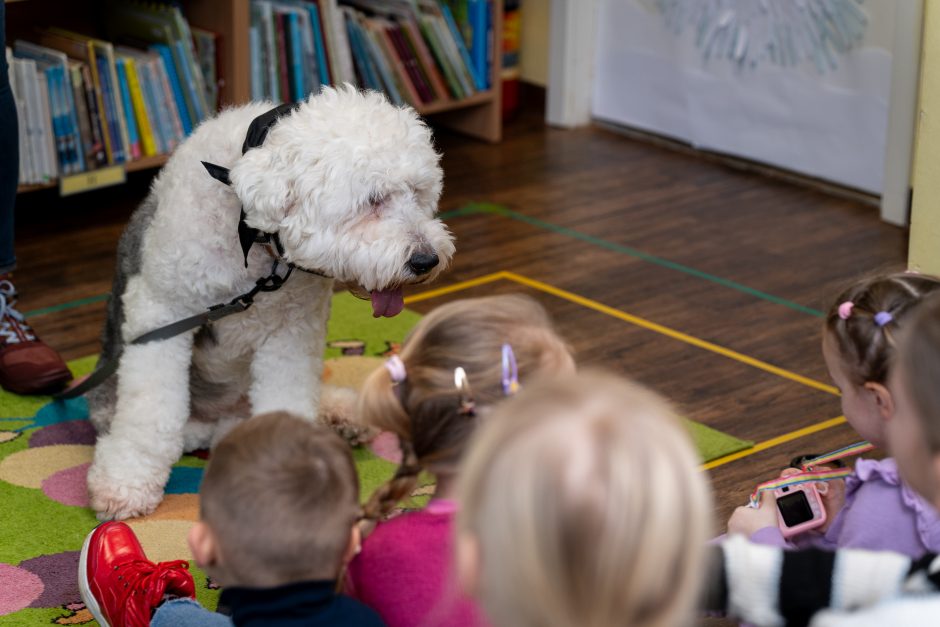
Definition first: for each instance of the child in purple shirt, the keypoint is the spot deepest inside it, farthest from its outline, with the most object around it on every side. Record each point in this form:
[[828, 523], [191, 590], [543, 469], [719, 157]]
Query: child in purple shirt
[[875, 509], [460, 360]]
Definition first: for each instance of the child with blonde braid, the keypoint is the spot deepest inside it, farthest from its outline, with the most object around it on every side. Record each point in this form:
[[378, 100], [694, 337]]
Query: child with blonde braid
[[876, 509], [458, 362]]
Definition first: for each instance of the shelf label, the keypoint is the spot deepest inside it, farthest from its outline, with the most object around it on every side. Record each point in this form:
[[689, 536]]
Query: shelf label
[[95, 179]]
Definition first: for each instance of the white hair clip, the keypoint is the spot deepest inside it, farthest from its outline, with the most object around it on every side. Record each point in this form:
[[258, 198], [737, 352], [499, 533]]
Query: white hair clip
[[396, 369], [467, 405]]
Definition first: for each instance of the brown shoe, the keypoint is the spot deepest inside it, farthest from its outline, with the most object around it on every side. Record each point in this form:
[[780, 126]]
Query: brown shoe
[[27, 365]]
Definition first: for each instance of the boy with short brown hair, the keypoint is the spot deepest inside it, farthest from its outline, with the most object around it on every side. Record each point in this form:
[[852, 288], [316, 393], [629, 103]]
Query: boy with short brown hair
[[279, 504]]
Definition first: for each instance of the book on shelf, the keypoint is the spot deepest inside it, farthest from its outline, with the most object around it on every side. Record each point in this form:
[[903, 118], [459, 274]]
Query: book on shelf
[[85, 102], [208, 56], [510, 73], [133, 138], [415, 51]]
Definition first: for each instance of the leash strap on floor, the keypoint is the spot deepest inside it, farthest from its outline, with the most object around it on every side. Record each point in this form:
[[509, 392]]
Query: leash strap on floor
[[103, 371]]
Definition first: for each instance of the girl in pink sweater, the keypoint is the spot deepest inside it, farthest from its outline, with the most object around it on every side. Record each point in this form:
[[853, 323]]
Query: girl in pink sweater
[[461, 359]]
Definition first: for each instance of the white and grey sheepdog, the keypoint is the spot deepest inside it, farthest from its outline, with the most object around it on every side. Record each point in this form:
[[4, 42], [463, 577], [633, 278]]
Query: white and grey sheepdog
[[349, 183]]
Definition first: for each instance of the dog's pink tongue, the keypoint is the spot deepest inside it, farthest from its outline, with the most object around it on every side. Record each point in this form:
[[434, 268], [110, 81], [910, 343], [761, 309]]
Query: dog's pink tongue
[[387, 303]]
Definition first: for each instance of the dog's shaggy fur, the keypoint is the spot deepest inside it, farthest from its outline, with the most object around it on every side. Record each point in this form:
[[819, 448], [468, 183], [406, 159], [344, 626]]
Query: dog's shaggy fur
[[351, 185]]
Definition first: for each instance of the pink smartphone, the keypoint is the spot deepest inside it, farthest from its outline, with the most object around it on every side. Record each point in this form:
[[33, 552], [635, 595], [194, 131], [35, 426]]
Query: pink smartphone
[[800, 509]]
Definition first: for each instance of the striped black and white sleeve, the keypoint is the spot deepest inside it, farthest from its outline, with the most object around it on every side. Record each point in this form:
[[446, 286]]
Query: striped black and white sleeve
[[772, 587]]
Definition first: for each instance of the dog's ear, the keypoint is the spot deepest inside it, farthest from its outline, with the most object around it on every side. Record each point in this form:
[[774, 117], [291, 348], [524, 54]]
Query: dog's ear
[[263, 187]]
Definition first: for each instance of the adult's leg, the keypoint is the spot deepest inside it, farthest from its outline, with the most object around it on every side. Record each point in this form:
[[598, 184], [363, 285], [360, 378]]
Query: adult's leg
[[9, 155]]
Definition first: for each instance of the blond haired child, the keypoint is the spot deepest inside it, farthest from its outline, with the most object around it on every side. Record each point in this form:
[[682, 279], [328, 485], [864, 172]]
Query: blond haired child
[[492, 345], [876, 510], [769, 586], [278, 507], [583, 504]]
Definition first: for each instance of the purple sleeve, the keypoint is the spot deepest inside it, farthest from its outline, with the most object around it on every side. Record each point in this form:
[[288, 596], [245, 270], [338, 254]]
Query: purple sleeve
[[878, 519], [770, 536]]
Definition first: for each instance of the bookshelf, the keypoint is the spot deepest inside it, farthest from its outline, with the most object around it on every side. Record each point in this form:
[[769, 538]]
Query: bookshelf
[[478, 116]]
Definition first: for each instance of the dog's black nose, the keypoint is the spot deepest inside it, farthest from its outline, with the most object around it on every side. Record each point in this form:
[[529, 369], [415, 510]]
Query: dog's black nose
[[422, 263]]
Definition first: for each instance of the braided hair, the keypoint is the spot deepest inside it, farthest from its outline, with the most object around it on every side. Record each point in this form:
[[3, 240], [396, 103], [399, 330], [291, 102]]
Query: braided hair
[[432, 417]]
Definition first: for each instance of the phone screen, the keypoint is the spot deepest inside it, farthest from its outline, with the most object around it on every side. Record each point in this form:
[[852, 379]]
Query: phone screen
[[794, 508]]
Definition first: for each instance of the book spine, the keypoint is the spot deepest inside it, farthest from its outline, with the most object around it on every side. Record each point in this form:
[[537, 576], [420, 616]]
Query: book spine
[[282, 71], [366, 50], [359, 61], [408, 91], [81, 115], [492, 49], [47, 145], [100, 108], [19, 100], [92, 101], [407, 51], [426, 61], [206, 59], [144, 125], [441, 58], [296, 57], [55, 114], [133, 137], [163, 128], [193, 74], [382, 62], [270, 52], [450, 50], [110, 111], [74, 124], [120, 122], [174, 114], [257, 82], [191, 88], [343, 49], [309, 53], [479, 22], [177, 90], [73, 144], [323, 62], [478, 80]]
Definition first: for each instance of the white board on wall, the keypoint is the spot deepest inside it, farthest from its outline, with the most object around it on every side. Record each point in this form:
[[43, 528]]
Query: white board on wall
[[828, 125]]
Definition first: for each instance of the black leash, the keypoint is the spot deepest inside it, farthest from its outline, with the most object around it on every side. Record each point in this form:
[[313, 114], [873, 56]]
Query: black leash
[[103, 371]]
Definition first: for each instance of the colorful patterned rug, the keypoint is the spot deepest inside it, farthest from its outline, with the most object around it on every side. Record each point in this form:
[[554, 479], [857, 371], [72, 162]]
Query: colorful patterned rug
[[46, 448]]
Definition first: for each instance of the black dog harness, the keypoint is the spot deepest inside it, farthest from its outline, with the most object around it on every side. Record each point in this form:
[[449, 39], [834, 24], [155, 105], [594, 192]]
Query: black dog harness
[[247, 236]]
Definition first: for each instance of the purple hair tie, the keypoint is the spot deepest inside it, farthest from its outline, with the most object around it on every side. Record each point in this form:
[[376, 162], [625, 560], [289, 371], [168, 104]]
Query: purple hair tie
[[882, 318], [845, 309], [396, 368], [510, 378]]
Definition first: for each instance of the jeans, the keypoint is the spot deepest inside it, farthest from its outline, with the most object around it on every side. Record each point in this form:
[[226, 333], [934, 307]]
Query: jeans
[[9, 155], [187, 613]]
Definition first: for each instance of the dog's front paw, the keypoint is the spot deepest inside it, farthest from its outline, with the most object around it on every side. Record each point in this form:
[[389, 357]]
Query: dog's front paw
[[354, 434], [117, 498], [338, 411]]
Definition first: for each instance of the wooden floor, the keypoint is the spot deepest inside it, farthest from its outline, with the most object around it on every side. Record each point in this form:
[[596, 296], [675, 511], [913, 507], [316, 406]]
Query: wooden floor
[[735, 260]]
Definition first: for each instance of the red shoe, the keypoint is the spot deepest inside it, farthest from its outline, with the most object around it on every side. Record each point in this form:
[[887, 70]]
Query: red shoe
[[27, 365], [119, 585]]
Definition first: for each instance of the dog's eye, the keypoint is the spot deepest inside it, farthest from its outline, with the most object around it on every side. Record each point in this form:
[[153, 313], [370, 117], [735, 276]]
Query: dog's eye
[[377, 200]]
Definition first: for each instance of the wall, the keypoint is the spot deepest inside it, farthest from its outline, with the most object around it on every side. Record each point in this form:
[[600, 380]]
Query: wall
[[830, 125], [925, 215], [534, 41]]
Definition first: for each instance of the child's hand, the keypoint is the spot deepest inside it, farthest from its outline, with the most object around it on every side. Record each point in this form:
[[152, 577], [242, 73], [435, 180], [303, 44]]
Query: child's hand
[[746, 520]]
